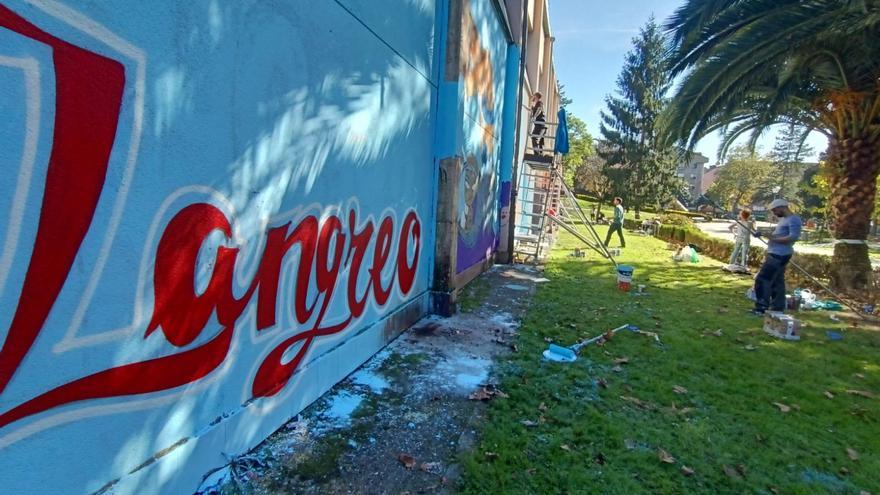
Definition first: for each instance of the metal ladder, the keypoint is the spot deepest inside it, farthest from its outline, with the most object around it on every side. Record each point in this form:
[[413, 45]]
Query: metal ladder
[[543, 195]]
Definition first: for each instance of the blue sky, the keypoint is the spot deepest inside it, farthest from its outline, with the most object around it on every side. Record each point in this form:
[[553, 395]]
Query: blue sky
[[592, 37]]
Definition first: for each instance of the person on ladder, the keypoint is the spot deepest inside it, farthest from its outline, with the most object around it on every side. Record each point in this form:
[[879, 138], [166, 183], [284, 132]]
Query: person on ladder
[[617, 223], [537, 116]]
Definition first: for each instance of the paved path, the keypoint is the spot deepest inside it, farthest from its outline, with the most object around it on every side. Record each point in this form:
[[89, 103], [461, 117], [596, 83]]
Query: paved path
[[720, 230]]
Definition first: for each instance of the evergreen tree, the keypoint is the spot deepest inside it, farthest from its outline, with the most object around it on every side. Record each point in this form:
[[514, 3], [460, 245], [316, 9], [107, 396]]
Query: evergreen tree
[[787, 154], [631, 127]]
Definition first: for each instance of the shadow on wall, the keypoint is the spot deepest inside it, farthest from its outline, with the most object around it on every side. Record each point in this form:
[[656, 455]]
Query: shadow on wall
[[318, 127]]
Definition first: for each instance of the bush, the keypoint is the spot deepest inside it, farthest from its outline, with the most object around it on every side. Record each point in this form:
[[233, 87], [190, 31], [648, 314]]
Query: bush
[[675, 219], [689, 214], [816, 265]]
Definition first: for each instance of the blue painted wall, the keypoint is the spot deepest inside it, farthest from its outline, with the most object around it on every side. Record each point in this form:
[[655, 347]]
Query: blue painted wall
[[259, 114], [484, 56]]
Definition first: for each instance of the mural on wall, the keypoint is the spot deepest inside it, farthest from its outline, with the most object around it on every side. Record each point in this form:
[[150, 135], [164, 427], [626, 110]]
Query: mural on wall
[[214, 312], [482, 70]]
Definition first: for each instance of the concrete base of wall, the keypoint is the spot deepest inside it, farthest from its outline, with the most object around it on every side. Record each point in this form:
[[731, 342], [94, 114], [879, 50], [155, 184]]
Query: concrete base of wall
[[445, 303], [238, 431]]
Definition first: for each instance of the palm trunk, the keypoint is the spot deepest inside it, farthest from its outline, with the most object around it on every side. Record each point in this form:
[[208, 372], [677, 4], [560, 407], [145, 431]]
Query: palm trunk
[[855, 164]]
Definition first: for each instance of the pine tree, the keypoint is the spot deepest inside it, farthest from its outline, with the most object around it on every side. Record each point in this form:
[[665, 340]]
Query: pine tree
[[631, 125], [788, 154]]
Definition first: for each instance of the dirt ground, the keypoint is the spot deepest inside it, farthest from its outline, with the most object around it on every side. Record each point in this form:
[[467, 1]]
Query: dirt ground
[[399, 423]]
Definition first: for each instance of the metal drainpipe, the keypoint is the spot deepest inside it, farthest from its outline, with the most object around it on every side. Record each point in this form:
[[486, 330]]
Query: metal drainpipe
[[514, 180]]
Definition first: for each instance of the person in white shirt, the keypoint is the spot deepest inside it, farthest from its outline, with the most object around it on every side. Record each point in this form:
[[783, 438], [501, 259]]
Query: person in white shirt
[[742, 239]]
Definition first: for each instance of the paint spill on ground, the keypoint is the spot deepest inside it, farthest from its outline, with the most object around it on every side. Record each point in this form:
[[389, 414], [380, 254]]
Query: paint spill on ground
[[505, 320], [340, 408], [465, 372], [368, 378]]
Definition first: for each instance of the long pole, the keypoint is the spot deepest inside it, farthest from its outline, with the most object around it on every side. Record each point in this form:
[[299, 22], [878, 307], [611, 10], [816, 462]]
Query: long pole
[[798, 267]]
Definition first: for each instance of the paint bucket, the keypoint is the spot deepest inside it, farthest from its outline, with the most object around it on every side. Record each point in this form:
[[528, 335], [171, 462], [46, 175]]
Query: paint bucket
[[624, 277]]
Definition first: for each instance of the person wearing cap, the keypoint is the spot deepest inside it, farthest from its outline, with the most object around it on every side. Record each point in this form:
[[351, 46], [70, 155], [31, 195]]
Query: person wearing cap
[[770, 281]]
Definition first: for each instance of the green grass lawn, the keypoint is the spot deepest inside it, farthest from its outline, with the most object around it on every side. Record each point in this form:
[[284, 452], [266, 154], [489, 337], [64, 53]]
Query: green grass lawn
[[706, 397]]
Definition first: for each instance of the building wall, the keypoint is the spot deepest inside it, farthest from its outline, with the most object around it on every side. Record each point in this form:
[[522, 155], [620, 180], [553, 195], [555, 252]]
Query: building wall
[[692, 172], [483, 69], [212, 212], [540, 77]]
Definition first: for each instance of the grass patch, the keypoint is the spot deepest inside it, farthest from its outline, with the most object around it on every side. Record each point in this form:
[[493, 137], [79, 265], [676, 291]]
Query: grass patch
[[473, 295], [601, 424]]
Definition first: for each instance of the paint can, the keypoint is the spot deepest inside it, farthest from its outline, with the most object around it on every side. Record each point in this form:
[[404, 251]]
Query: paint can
[[624, 277]]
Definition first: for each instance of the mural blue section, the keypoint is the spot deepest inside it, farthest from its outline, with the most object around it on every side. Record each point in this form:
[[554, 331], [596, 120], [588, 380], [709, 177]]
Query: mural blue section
[[203, 234], [484, 60]]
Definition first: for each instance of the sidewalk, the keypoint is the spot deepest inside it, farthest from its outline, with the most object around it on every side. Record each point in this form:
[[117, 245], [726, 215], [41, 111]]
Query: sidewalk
[[719, 229], [399, 423]]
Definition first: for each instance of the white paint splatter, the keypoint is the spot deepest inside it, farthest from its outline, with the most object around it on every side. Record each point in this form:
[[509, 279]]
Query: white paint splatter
[[505, 320], [369, 379], [341, 406], [464, 372]]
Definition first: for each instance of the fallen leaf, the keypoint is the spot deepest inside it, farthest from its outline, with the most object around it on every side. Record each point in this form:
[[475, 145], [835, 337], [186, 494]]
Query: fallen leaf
[[408, 461], [599, 459], [862, 393], [531, 471], [601, 382], [741, 469], [491, 456], [630, 444], [665, 457], [617, 369], [529, 423], [859, 375], [844, 471], [565, 447], [679, 389], [732, 473], [782, 407], [723, 310], [829, 394], [750, 347], [481, 394], [621, 360], [773, 489], [486, 393], [637, 401], [687, 471], [852, 453], [548, 340], [542, 407], [431, 467]]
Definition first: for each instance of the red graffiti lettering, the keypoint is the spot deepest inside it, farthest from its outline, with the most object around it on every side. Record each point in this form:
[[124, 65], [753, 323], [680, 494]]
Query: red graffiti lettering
[[183, 315], [88, 96]]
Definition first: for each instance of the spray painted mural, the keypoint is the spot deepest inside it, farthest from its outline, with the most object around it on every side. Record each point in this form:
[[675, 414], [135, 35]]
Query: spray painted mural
[[194, 244], [483, 61]]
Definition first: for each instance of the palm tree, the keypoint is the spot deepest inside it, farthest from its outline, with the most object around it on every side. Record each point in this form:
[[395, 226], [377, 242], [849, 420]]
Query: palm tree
[[750, 64]]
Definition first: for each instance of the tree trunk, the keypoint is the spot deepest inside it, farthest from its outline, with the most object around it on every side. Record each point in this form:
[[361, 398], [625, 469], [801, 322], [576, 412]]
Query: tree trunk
[[854, 165]]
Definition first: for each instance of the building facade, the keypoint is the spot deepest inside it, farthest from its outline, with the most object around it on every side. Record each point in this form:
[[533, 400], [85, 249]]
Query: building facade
[[214, 211], [691, 171]]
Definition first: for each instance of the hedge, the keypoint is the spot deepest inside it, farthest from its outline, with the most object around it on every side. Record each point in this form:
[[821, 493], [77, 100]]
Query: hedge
[[720, 249]]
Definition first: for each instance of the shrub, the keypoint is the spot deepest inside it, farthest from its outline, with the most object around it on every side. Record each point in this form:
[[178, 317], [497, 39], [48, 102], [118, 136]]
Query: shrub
[[675, 219], [816, 265]]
